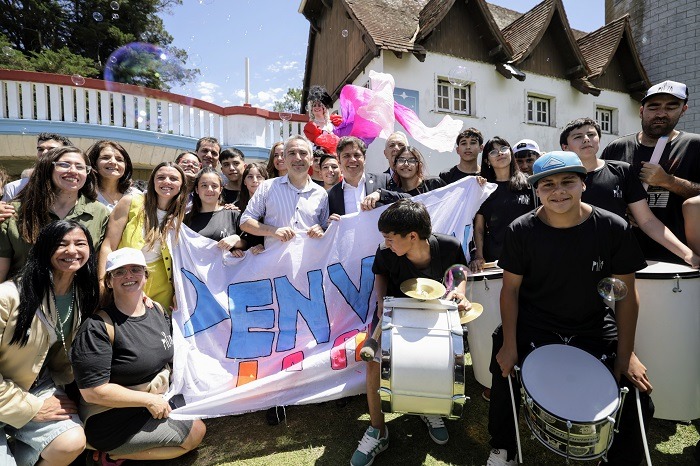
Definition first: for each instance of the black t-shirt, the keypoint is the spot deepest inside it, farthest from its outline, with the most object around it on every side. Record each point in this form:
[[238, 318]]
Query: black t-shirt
[[142, 346], [426, 185], [681, 158], [231, 195], [561, 269], [455, 174], [499, 209], [216, 225], [612, 187], [445, 251]]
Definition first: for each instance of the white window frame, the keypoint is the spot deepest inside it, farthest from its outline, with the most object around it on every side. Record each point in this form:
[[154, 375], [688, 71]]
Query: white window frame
[[442, 85], [539, 110], [606, 127]]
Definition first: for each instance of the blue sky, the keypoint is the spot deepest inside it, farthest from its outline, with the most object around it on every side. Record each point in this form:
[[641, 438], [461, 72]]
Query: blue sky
[[219, 34]]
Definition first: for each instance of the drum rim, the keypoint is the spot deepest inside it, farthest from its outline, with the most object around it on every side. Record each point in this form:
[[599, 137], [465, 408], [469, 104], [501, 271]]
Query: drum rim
[[687, 274], [559, 416], [494, 273]]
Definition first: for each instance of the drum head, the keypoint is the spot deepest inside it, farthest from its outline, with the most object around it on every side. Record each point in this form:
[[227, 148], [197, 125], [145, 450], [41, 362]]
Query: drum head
[[666, 271], [570, 383]]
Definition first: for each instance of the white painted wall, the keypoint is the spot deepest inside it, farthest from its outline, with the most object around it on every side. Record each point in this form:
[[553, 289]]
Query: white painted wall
[[499, 104]]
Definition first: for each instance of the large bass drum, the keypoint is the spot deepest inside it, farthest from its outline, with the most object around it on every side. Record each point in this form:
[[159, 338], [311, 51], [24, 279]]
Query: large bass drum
[[422, 360], [668, 337]]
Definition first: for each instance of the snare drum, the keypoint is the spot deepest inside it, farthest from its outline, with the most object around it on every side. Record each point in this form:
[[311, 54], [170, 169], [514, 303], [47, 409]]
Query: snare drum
[[571, 400], [422, 364], [485, 289], [668, 337]]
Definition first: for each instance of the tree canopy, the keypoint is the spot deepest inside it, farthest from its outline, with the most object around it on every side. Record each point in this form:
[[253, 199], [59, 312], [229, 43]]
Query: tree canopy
[[82, 36], [291, 102]]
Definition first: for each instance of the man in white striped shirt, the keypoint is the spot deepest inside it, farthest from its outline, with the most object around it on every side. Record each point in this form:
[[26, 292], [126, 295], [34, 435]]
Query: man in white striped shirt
[[291, 204]]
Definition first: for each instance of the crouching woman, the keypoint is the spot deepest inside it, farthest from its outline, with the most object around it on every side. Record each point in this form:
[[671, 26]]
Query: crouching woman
[[121, 357]]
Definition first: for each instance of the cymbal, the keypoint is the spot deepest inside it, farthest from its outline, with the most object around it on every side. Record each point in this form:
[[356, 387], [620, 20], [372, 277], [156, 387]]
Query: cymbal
[[467, 316], [422, 288]]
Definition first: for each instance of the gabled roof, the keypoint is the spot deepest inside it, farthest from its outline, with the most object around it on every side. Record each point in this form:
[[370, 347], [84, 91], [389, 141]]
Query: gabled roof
[[525, 33]]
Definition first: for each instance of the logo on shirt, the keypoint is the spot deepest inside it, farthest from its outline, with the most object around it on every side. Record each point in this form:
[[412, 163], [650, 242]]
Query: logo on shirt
[[617, 192], [167, 341], [597, 265], [658, 199], [524, 199]]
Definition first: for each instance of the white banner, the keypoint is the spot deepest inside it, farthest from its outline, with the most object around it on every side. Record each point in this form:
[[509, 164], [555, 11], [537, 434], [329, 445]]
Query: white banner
[[285, 327]]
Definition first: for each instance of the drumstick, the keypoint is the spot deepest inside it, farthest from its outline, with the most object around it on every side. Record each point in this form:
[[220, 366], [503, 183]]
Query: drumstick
[[515, 418], [641, 426], [371, 344]]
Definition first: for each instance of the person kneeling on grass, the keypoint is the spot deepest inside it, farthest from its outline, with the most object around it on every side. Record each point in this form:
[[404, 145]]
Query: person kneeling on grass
[[121, 358], [412, 251]]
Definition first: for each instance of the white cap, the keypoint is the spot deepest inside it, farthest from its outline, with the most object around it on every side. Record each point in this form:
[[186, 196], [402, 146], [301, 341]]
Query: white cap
[[674, 88], [124, 256], [526, 144]]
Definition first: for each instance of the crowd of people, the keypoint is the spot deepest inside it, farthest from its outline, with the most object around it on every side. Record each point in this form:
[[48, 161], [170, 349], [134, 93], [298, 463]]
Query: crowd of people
[[87, 298]]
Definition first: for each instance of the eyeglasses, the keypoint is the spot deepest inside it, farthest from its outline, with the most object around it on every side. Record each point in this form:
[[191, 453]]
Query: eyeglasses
[[134, 270], [65, 166], [502, 150], [404, 161], [188, 163]]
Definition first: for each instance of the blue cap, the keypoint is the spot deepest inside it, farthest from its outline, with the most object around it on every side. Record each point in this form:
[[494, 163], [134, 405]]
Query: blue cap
[[558, 161]]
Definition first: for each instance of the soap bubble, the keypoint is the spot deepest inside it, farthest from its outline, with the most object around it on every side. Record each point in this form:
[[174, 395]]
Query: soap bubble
[[344, 33], [97, 16], [459, 76], [77, 80], [139, 63], [285, 116], [456, 277], [114, 5], [612, 289], [8, 51]]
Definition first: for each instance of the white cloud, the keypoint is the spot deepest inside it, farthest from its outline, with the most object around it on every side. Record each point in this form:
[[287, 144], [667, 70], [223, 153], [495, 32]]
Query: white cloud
[[278, 66], [262, 99]]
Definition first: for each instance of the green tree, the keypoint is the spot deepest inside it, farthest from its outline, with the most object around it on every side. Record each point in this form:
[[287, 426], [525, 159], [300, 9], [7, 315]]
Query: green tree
[[79, 36], [291, 102]]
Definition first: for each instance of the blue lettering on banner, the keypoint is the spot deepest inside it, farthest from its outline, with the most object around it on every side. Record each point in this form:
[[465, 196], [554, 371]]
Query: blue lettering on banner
[[465, 240], [245, 344], [357, 299], [245, 300], [291, 303]]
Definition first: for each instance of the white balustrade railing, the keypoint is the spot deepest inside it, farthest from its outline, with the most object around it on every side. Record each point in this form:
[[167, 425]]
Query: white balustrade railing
[[41, 96]]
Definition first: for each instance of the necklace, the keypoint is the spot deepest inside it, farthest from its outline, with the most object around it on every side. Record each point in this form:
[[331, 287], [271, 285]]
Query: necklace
[[112, 201], [59, 327]]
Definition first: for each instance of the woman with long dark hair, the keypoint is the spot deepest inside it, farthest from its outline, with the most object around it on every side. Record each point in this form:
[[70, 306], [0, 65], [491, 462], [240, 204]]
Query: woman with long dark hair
[[208, 216], [512, 198], [122, 357], [275, 163], [61, 187], [253, 176], [143, 221], [40, 313], [113, 170]]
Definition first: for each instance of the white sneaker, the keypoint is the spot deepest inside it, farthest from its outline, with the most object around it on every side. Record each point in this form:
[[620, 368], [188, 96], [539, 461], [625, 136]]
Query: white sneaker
[[500, 458]]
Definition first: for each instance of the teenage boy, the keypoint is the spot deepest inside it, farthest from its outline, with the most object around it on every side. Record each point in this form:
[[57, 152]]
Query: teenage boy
[[412, 251], [612, 186], [526, 152], [552, 260], [470, 143], [232, 165]]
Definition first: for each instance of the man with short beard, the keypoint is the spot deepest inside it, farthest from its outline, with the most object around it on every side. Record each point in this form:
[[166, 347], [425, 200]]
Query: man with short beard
[[676, 177]]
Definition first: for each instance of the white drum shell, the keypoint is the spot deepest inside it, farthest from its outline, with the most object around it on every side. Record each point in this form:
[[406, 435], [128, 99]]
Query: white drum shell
[[422, 357], [668, 337], [485, 290]]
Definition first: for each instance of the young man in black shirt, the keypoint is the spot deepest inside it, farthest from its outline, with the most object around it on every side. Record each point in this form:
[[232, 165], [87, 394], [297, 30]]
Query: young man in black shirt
[[611, 185], [411, 251], [552, 260], [470, 143]]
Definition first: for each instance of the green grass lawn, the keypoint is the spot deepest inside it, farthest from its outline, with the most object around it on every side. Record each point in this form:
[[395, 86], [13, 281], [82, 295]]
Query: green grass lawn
[[325, 434]]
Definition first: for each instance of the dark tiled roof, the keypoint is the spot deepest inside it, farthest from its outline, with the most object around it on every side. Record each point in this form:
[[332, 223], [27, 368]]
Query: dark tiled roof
[[503, 16], [523, 33], [599, 47], [392, 24]]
